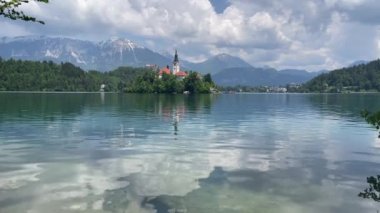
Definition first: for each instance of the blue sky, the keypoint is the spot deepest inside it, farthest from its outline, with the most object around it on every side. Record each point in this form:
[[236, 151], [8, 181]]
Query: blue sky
[[220, 5], [307, 34]]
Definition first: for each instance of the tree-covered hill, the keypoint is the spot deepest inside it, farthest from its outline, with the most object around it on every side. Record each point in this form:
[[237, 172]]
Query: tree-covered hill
[[360, 78], [253, 77], [17, 75]]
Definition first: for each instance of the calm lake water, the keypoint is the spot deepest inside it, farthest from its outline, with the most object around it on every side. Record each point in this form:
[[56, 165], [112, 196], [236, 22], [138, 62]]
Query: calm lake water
[[200, 154]]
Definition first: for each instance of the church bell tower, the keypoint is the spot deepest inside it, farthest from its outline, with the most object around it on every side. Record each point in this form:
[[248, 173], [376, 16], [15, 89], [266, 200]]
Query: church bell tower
[[176, 63]]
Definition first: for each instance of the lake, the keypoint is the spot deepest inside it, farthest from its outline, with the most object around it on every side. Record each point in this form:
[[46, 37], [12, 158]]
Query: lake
[[93, 152]]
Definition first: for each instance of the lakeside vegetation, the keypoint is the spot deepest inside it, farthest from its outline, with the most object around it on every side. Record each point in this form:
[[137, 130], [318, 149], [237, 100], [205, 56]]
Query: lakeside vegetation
[[193, 83], [250, 89], [359, 78], [373, 189], [17, 75]]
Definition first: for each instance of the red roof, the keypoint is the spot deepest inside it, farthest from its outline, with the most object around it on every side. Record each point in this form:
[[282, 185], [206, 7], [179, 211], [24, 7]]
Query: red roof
[[165, 70], [181, 74]]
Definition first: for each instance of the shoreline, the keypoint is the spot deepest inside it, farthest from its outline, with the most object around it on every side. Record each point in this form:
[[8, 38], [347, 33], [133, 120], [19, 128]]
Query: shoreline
[[53, 92], [227, 93]]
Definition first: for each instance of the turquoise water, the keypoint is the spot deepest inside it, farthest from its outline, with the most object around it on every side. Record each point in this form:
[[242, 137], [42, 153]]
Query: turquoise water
[[212, 153]]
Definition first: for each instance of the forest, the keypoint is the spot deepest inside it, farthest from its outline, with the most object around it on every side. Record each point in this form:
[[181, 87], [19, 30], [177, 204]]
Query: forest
[[193, 83], [17, 75], [359, 78]]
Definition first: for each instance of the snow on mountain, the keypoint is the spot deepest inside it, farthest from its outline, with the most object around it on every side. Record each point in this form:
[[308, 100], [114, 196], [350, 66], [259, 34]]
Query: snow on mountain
[[52, 54], [119, 43], [78, 58]]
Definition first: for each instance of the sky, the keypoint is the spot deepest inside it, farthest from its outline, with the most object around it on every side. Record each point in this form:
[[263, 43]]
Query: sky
[[298, 34]]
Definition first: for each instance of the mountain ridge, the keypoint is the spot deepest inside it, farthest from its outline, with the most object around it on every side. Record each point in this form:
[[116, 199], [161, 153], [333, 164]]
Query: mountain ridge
[[218, 63], [104, 55], [117, 52], [253, 76]]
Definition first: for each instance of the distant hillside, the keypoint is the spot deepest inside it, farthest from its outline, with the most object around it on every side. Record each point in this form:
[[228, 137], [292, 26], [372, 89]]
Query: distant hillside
[[250, 76], [48, 76], [363, 77], [217, 63]]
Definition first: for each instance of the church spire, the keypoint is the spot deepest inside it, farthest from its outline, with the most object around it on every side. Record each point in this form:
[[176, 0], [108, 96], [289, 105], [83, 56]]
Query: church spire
[[176, 57], [176, 67]]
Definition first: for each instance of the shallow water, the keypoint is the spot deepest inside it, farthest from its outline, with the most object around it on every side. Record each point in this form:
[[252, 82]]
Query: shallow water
[[210, 153]]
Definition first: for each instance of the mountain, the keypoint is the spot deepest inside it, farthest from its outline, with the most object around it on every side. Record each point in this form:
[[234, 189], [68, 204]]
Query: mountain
[[363, 77], [217, 63], [105, 55], [44, 48], [112, 53], [122, 52], [251, 76], [296, 72]]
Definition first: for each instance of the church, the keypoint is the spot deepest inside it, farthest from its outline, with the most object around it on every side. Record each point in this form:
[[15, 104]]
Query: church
[[176, 69]]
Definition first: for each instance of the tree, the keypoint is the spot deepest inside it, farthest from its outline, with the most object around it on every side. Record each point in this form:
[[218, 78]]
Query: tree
[[372, 118], [207, 78], [358, 78], [373, 191], [191, 82], [8, 9]]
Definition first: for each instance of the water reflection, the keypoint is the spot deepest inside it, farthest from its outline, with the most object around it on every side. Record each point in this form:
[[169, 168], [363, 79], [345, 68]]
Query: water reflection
[[347, 105], [373, 191], [146, 153], [249, 191]]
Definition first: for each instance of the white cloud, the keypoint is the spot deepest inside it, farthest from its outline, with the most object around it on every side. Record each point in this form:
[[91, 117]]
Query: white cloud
[[274, 33]]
